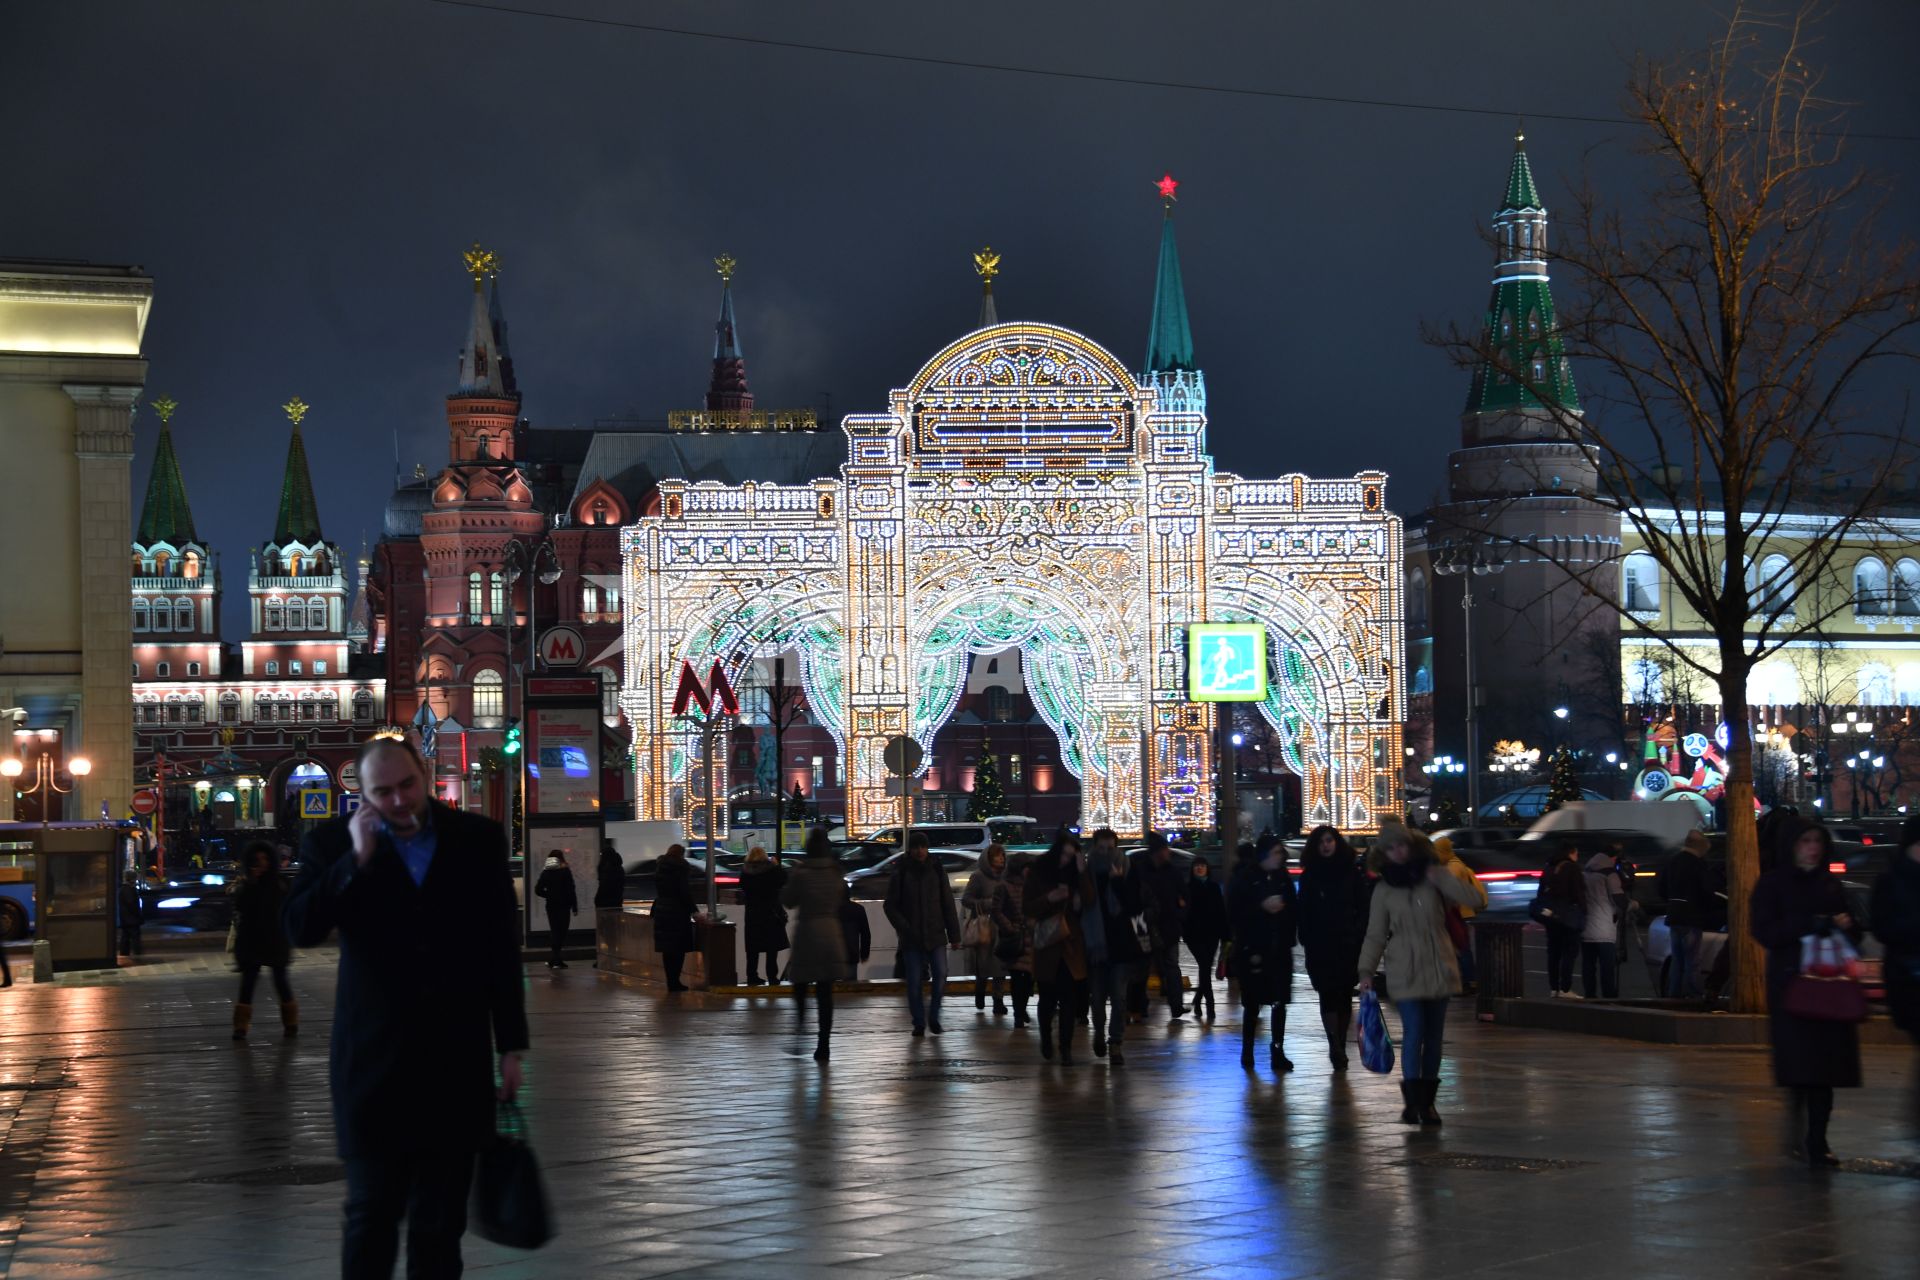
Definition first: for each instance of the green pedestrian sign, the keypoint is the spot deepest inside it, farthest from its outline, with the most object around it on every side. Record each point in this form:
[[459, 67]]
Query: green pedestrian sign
[[1227, 662]]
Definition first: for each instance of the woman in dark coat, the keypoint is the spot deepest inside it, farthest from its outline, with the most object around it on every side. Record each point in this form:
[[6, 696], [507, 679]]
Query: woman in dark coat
[[1016, 949], [1811, 1058], [673, 912], [1896, 922], [1560, 908], [259, 939], [760, 883], [1058, 886], [1204, 929], [1334, 895], [1264, 910], [609, 879], [816, 892]]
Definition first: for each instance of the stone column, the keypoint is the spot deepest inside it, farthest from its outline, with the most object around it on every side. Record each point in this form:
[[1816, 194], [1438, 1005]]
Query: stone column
[[103, 731]]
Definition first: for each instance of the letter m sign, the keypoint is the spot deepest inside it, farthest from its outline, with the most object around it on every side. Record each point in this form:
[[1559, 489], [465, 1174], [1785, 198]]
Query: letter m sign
[[717, 691]]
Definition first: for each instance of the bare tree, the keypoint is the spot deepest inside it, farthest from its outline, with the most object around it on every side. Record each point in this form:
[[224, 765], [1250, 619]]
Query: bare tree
[[1724, 331]]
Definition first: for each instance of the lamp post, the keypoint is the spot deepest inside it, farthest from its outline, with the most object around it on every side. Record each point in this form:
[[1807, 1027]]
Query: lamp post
[[46, 779], [519, 557], [1470, 561]]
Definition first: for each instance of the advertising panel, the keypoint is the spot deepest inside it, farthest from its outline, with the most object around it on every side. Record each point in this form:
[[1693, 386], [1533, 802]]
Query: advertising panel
[[563, 773]]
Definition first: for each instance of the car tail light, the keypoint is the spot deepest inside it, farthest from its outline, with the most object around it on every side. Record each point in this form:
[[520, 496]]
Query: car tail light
[[1500, 875], [726, 879], [1838, 868], [1866, 839]]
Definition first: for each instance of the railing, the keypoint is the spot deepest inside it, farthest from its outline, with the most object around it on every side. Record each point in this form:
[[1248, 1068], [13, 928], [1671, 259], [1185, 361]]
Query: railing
[[749, 500], [318, 583], [1298, 493], [742, 420]]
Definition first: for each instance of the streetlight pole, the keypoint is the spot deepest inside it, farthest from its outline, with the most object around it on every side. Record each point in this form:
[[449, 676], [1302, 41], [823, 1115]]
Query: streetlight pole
[[46, 782], [516, 561], [1469, 563]]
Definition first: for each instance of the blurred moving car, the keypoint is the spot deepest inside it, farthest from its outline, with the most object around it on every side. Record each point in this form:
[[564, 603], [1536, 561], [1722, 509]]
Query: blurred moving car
[[870, 884]]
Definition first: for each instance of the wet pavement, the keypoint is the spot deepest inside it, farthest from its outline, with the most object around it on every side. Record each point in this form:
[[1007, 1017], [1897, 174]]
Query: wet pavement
[[680, 1139]]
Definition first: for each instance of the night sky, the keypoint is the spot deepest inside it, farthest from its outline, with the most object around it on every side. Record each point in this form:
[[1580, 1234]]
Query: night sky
[[300, 179]]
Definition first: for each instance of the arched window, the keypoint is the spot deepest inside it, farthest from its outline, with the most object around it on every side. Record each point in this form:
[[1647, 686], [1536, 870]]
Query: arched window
[[1870, 592], [1533, 323], [160, 559], [190, 565], [476, 604], [162, 616], [1506, 324], [609, 695], [1640, 583], [275, 617], [309, 707], [483, 447], [1526, 235], [1875, 684], [317, 614], [183, 614], [363, 705], [140, 615], [296, 615], [1906, 588], [610, 599], [489, 699], [229, 708], [589, 599], [497, 584], [1775, 588], [329, 707], [1417, 598]]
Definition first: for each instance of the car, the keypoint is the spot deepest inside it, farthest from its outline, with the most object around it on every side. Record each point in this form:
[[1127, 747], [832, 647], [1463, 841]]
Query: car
[[1014, 830], [201, 901], [870, 884]]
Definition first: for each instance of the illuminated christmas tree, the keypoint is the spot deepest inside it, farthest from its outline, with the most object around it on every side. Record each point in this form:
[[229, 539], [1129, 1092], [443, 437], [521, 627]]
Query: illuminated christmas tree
[[797, 805], [1564, 784], [988, 800]]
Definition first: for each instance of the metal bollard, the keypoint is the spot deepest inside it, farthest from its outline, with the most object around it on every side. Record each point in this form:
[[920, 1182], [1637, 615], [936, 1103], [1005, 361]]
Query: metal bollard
[[43, 961], [1501, 963]]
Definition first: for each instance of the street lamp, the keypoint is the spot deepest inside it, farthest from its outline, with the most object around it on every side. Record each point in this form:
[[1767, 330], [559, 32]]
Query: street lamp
[[46, 778], [1559, 713], [1470, 559], [519, 557]]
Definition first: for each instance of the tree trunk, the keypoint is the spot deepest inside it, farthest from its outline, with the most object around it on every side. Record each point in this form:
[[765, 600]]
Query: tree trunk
[[1743, 858]]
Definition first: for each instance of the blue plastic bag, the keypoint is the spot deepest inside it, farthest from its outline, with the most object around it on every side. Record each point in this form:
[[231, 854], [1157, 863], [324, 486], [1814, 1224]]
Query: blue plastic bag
[[1376, 1046]]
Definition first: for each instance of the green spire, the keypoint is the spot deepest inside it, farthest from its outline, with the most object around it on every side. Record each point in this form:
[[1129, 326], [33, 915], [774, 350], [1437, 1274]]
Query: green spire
[[1169, 341], [166, 517], [1521, 193], [299, 519]]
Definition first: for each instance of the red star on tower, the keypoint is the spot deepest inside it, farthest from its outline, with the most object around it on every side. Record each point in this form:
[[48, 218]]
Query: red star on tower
[[1166, 186]]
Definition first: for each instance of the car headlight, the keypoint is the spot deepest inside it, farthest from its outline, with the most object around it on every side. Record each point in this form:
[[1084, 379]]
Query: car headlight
[[213, 879], [175, 904]]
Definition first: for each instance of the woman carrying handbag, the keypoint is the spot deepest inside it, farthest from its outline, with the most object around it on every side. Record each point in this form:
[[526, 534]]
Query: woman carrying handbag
[[1812, 1055], [988, 917]]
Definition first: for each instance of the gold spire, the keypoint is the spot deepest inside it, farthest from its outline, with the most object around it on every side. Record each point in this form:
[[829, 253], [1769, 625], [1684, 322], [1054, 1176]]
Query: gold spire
[[725, 265], [481, 263], [986, 265], [165, 406], [296, 409]]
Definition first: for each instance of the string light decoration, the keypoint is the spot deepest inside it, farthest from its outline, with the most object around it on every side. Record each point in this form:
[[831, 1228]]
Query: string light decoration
[[1025, 490]]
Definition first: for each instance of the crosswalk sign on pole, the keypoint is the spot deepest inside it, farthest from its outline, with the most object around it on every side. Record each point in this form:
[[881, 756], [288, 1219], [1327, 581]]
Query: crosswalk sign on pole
[[316, 802]]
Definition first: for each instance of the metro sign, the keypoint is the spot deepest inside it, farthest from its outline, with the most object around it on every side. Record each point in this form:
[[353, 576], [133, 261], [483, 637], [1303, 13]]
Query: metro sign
[[717, 690], [562, 647]]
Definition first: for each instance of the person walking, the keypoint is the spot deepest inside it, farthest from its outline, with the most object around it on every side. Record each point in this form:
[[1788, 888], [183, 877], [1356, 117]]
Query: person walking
[[1016, 947], [1811, 1057], [260, 939], [1057, 891], [430, 989], [1407, 932], [988, 919], [919, 903], [1164, 903], [128, 915], [816, 892], [1896, 922], [609, 891], [1334, 896], [1606, 893], [1265, 910], [673, 912], [761, 881], [1447, 860], [1203, 930], [1115, 944], [556, 886], [856, 933], [1560, 908], [1687, 889]]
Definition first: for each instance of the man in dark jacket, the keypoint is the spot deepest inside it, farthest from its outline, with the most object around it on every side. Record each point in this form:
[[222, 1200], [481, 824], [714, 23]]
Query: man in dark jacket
[[857, 933], [430, 986], [610, 879], [1684, 884], [1115, 957], [920, 906], [1163, 889]]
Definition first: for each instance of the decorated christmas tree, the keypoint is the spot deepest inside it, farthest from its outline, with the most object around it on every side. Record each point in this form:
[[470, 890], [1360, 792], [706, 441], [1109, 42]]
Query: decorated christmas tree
[[988, 800], [797, 805], [1563, 786]]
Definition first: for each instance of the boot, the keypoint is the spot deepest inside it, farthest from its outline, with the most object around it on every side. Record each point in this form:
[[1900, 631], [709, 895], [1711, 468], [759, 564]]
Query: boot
[[1429, 1090], [826, 1032], [1066, 1042], [1410, 1101], [1336, 1026], [1099, 1038], [979, 993], [242, 1019], [999, 1007], [1249, 1028], [1279, 1061], [290, 1018], [1209, 999], [1046, 1038], [1277, 1057], [1020, 1018]]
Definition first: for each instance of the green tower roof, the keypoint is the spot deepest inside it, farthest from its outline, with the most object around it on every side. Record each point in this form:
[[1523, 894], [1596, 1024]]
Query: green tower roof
[[1170, 341], [299, 519], [1522, 329], [166, 517], [1521, 193]]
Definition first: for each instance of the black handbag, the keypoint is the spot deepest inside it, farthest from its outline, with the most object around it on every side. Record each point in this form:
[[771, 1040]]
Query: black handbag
[[509, 1203]]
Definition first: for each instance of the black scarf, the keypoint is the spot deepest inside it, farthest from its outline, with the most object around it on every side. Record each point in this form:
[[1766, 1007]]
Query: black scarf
[[1404, 875]]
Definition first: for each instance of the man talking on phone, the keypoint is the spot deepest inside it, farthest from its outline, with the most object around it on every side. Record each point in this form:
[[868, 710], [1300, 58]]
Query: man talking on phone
[[430, 988]]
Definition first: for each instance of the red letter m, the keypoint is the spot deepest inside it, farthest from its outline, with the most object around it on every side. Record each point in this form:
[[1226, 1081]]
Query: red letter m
[[718, 689]]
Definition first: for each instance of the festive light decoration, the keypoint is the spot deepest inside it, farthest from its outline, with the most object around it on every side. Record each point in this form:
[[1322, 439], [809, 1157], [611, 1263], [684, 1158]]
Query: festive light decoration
[[1025, 490]]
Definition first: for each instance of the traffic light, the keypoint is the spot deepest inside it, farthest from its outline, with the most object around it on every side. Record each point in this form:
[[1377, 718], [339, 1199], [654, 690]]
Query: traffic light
[[512, 745]]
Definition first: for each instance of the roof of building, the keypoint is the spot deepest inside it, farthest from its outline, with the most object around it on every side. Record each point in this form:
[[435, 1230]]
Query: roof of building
[[299, 517], [405, 508], [165, 516], [634, 463], [1169, 340], [1521, 193]]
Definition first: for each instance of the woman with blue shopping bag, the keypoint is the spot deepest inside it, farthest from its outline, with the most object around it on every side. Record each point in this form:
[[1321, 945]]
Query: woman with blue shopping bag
[[1407, 940]]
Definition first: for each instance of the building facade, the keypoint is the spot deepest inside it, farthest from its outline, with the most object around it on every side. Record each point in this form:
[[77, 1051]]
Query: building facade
[[71, 370]]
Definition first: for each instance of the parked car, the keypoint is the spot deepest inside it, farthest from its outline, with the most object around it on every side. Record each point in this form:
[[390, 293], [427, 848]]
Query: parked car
[[1015, 831], [870, 884]]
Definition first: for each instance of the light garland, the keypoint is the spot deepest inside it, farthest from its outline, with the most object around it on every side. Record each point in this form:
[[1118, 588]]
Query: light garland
[[1026, 491]]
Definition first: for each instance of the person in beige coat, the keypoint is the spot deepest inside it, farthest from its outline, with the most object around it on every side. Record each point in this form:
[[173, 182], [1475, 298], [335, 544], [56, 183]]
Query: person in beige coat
[[815, 893], [1445, 858], [1407, 940]]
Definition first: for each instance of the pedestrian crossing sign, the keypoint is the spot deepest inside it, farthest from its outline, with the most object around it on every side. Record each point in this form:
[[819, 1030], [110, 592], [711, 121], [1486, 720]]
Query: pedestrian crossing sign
[[1227, 662], [316, 802]]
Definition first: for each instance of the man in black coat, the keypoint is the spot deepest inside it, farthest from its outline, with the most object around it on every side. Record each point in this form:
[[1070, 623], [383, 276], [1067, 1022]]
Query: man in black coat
[[430, 986], [920, 906], [1163, 896], [1685, 885]]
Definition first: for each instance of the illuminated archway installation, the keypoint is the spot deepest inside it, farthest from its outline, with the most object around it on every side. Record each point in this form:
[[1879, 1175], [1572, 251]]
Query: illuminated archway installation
[[1026, 490]]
